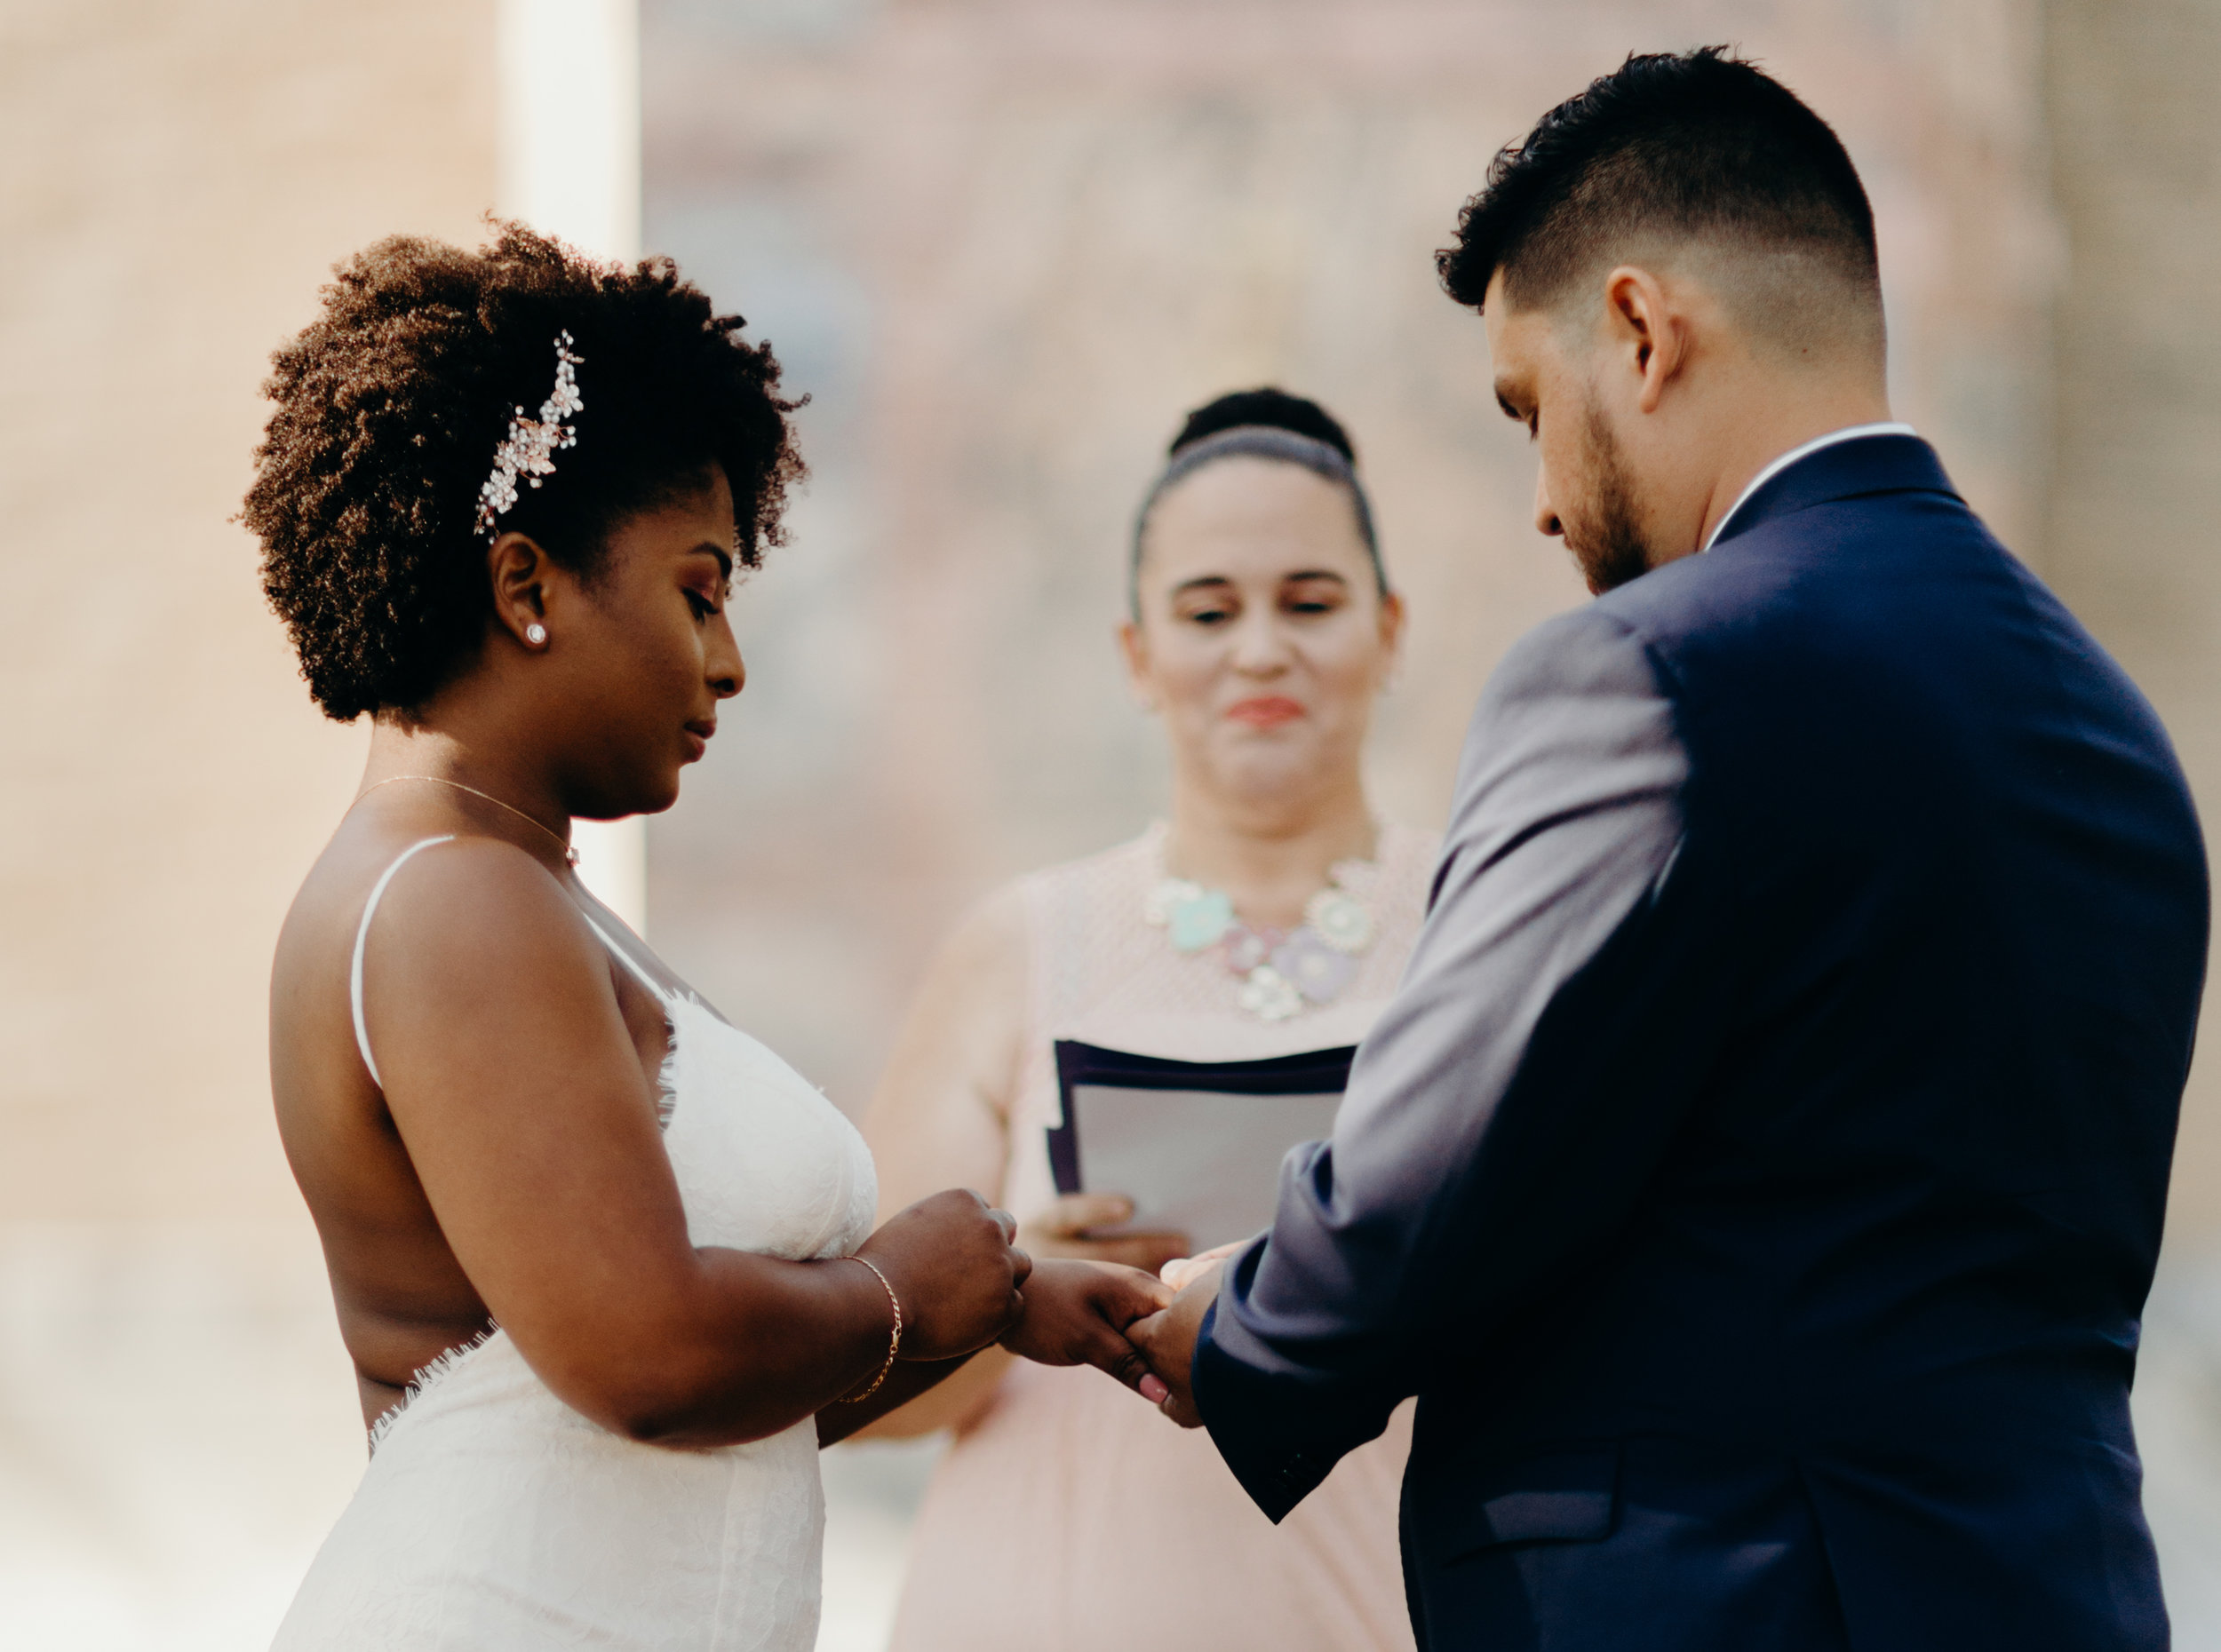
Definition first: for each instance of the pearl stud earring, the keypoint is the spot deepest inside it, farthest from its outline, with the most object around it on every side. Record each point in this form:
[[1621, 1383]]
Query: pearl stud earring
[[536, 635]]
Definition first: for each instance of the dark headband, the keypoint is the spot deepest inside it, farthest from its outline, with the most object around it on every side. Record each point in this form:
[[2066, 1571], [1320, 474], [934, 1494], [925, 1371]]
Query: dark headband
[[1258, 441]]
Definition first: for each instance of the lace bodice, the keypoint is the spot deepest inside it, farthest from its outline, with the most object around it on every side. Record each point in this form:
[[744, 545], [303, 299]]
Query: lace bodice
[[783, 1173]]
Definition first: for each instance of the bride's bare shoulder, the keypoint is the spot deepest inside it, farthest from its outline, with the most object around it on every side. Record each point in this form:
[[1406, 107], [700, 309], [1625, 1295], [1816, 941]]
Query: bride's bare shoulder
[[446, 902], [451, 876]]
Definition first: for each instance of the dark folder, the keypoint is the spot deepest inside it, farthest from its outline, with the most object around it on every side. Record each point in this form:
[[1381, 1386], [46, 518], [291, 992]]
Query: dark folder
[[1196, 1144]]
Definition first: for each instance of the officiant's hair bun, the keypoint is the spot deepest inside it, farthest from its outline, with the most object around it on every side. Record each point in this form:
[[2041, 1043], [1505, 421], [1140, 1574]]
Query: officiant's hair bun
[[1261, 423], [392, 403], [1266, 407], [1676, 147]]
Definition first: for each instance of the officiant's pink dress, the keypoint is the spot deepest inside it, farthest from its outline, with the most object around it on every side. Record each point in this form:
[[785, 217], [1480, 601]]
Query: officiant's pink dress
[[1068, 1516]]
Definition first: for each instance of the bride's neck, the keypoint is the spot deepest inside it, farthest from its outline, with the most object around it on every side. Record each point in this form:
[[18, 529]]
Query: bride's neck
[[1269, 855], [449, 749]]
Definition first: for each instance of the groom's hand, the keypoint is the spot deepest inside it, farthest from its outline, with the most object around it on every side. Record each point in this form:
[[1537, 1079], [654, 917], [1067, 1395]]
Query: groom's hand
[[1168, 1342], [1076, 1312]]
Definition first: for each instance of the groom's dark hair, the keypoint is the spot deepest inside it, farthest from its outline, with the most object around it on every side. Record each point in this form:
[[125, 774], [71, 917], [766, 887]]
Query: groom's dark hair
[[1670, 148]]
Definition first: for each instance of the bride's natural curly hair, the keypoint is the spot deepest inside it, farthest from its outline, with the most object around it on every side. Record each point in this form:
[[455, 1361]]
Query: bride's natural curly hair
[[390, 406]]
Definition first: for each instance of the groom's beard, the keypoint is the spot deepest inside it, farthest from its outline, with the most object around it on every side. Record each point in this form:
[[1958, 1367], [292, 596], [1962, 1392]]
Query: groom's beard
[[1607, 539]]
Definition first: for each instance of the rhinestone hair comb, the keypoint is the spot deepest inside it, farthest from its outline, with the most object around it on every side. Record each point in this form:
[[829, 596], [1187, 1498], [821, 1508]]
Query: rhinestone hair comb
[[529, 451]]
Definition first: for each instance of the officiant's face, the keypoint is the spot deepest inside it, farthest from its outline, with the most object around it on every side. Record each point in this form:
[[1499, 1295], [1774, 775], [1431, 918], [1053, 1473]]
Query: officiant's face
[[1262, 638]]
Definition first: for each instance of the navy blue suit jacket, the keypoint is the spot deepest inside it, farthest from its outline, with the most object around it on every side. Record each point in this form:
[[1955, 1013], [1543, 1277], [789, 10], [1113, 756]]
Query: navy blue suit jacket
[[1759, 1173]]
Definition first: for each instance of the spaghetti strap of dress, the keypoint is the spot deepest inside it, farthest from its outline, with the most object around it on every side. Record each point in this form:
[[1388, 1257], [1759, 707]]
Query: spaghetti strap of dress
[[361, 935], [656, 989], [661, 994]]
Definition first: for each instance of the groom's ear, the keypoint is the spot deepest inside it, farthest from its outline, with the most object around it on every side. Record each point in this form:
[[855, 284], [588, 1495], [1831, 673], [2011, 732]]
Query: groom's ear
[[1647, 330]]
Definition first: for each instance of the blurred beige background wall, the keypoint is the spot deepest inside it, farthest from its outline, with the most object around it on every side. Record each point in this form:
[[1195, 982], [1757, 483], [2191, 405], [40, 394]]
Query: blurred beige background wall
[[176, 180], [2132, 483], [1003, 243]]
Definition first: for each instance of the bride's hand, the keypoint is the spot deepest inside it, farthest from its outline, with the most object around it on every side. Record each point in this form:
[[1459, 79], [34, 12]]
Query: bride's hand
[[950, 1261], [1076, 1313], [1063, 1228]]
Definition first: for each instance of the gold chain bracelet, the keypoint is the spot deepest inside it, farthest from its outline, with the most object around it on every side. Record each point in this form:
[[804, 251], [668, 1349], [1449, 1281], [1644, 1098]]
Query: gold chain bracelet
[[893, 1343]]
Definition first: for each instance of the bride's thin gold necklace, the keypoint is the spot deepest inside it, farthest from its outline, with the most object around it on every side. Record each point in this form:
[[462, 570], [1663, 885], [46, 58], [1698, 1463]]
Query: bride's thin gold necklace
[[569, 854]]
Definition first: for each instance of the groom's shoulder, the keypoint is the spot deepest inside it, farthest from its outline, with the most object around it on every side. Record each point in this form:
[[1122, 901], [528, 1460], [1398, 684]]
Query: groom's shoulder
[[1841, 555], [1577, 692], [1765, 592], [1593, 651], [1709, 590]]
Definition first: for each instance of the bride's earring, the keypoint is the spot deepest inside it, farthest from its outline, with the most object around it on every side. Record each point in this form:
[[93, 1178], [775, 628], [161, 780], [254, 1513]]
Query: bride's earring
[[536, 635]]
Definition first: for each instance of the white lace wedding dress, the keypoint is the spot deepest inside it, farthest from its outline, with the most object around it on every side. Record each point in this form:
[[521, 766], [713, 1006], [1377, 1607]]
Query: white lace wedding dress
[[493, 1518]]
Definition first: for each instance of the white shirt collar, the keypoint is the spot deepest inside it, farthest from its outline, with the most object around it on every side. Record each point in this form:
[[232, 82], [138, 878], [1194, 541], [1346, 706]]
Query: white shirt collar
[[1850, 432]]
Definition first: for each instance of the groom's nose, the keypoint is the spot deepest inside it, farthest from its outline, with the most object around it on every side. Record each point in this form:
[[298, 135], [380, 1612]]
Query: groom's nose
[[1545, 519]]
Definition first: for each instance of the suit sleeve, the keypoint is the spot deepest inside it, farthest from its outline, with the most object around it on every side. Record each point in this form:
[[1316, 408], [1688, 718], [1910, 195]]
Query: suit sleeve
[[1488, 1134]]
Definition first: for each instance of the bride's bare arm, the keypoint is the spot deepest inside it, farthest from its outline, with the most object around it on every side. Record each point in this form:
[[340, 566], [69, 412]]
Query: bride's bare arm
[[520, 1097]]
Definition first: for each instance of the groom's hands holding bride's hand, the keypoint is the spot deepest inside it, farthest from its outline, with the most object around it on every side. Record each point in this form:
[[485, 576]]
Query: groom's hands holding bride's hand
[[1076, 1313], [1086, 1288], [1167, 1340], [963, 1284]]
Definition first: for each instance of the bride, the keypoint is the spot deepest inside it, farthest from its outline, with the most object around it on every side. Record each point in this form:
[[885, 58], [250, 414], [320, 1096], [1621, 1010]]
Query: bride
[[605, 1264]]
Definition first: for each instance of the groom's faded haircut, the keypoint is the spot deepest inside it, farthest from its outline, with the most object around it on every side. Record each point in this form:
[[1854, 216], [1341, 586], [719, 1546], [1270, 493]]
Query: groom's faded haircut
[[1671, 149]]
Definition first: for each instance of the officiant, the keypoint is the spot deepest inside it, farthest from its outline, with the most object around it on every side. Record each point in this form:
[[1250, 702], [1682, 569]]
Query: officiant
[[1268, 918]]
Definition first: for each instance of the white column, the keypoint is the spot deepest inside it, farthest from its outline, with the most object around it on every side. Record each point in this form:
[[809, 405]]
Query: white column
[[570, 148]]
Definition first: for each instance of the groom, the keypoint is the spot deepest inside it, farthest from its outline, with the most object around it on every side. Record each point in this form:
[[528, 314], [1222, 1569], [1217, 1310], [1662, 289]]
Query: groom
[[1759, 1174]]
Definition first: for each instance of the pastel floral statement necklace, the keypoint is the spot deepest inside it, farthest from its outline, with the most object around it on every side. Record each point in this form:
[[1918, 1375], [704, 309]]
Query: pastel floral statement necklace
[[1282, 972]]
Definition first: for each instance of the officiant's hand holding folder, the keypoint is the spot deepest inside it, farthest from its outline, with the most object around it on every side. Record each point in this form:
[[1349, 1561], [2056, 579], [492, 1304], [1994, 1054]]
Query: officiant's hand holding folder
[[1191, 1148], [1160, 1163]]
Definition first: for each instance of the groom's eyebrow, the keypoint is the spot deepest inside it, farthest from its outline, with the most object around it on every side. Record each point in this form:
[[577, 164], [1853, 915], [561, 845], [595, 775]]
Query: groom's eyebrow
[[1200, 583]]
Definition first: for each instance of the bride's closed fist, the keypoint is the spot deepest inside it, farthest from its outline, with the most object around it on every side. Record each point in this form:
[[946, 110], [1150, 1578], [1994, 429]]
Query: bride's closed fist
[[951, 1262]]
